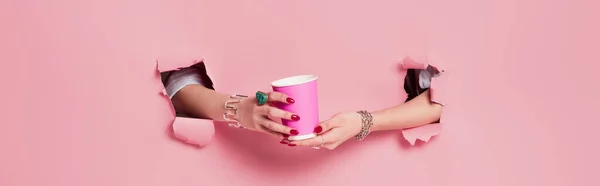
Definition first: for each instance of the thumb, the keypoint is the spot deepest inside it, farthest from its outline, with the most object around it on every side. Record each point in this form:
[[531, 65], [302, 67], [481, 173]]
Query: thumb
[[324, 127]]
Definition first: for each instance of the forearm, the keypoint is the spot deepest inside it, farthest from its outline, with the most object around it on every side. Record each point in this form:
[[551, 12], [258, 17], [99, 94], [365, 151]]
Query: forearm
[[416, 112], [198, 101]]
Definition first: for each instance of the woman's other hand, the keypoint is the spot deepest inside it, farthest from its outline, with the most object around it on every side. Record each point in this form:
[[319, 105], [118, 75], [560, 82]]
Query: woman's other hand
[[333, 132], [258, 117]]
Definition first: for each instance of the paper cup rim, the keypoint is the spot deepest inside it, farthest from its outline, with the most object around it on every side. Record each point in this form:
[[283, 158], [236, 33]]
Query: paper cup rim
[[294, 80]]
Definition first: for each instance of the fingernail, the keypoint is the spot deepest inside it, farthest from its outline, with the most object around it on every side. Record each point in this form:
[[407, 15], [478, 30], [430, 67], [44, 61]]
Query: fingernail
[[285, 135], [283, 142], [294, 132], [318, 129], [290, 100], [295, 117], [291, 144]]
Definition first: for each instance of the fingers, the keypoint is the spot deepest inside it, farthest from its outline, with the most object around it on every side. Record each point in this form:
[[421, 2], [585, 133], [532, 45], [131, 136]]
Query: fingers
[[323, 140], [312, 142], [324, 127], [280, 97], [278, 113], [276, 127], [270, 132]]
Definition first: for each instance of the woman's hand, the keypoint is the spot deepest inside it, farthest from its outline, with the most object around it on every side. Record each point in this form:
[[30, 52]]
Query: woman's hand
[[333, 132], [257, 118]]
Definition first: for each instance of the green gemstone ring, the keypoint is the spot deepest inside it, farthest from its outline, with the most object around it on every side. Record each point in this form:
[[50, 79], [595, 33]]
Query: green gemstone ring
[[261, 98]]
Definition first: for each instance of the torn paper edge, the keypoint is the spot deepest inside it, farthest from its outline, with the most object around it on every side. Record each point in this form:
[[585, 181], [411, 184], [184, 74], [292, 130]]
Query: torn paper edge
[[193, 131], [436, 90]]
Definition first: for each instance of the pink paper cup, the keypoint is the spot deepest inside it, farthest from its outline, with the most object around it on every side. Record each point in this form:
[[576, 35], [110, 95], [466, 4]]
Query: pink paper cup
[[303, 89]]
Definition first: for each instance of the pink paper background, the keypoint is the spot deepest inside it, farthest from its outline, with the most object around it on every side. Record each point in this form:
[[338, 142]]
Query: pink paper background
[[81, 102]]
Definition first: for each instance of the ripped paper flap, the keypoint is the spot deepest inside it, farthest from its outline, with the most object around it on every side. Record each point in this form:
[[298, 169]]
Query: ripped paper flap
[[177, 61], [437, 93], [189, 130], [423, 133], [438, 89], [412, 64], [193, 131]]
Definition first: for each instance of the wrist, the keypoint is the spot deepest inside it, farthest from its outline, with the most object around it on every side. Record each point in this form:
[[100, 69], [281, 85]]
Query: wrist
[[377, 120], [219, 109], [232, 108], [356, 121]]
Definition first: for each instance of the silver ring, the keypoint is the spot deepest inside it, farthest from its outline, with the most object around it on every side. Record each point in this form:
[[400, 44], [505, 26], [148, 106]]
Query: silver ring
[[322, 141]]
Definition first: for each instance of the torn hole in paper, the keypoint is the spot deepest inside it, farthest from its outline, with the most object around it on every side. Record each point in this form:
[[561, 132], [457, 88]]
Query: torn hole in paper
[[190, 130], [421, 77]]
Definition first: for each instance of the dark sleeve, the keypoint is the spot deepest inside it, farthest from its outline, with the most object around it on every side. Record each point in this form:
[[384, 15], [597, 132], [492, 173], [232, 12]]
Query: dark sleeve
[[411, 84]]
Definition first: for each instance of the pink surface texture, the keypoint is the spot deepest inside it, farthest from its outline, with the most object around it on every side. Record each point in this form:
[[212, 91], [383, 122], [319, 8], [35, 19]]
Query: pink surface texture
[[82, 102]]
